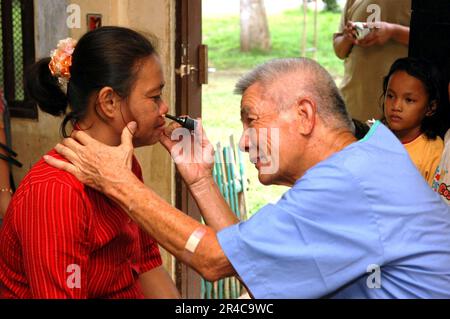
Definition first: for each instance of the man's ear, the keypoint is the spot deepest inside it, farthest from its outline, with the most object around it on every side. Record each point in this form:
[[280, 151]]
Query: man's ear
[[307, 111], [108, 102], [431, 108]]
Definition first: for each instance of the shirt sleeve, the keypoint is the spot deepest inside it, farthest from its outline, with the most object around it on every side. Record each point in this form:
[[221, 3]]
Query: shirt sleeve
[[344, 18], [53, 227], [150, 255], [319, 237]]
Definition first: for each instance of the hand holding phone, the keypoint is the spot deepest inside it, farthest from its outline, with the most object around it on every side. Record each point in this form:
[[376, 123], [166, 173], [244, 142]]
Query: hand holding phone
[[361, 29]]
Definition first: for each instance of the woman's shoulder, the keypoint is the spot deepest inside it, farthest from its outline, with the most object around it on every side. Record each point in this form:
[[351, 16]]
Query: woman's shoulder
[[47, 193], [42, 173]]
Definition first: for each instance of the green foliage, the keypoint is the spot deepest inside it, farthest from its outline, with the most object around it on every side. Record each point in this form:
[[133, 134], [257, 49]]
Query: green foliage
[[331, 5]]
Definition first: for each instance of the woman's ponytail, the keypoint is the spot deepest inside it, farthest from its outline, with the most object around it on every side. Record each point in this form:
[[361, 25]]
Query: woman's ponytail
[[43, 88]]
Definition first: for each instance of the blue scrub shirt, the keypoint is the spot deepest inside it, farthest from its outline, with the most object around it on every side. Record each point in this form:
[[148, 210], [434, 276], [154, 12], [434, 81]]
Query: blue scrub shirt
[[364, 207]]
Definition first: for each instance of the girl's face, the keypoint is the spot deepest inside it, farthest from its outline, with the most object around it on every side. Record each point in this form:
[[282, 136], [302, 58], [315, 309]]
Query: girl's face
[[406, 104], [145, 104]]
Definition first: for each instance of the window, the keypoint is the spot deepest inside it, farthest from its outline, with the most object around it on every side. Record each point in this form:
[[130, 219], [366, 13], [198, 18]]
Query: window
[[16, 53]]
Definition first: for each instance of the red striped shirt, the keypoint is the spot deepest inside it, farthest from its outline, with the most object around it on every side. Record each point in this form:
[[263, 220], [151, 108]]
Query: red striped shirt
[[61, 239]]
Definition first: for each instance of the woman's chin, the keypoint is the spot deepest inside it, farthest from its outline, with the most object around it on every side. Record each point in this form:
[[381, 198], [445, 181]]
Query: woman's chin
[[140, 142]]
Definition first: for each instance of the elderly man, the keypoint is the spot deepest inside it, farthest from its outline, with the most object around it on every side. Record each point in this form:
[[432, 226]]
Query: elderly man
[[358, 221]]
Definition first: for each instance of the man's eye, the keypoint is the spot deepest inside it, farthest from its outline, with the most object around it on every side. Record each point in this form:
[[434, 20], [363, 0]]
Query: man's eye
[[156, 97]]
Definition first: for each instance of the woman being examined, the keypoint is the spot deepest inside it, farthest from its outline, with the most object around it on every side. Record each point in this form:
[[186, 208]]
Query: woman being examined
[[61, 239]]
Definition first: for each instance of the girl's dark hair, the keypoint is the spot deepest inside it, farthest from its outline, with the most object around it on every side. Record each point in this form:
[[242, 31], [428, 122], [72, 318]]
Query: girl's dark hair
[[425, 71], [107, 56], [361, 129]]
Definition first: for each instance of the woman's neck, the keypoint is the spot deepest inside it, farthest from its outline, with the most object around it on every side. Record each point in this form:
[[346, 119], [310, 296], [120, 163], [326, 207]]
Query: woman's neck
[[100, 131]]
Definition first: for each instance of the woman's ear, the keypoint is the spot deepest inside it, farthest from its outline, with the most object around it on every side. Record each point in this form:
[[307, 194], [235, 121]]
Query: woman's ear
[[108, 102], [431, 108]]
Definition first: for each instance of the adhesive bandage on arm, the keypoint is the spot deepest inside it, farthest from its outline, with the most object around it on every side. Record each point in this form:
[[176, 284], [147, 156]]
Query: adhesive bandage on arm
[[194, 239]]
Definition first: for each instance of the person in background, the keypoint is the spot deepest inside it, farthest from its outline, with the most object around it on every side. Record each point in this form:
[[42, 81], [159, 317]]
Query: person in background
[[441, 181], [5, 187], [61, 239], [412, 110], [367, 60]]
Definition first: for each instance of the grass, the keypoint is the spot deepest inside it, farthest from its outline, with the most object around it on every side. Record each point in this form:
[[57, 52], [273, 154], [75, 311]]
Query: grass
[[221, 108], [222, 37]]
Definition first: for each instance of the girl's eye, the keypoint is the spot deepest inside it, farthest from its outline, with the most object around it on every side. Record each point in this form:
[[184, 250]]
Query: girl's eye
[[389, 96], [408, 100]]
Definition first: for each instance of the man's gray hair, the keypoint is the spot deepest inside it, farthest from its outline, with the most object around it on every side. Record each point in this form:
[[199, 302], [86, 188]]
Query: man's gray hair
[[285, 80]]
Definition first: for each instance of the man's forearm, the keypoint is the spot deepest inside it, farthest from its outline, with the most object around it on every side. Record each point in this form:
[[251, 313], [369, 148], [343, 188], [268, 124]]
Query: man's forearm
[[171, 228], [213, 207]]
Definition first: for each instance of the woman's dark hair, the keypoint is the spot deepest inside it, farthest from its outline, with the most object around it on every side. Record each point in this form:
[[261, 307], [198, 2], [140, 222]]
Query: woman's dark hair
[[107, 56], [425, 71]]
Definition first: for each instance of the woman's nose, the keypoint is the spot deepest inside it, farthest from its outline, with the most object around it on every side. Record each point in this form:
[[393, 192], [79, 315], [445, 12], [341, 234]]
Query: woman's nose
[[163, 109]]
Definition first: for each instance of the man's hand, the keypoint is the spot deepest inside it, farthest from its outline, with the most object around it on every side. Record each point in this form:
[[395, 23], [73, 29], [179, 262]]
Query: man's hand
[[192, 153], [95, 164]]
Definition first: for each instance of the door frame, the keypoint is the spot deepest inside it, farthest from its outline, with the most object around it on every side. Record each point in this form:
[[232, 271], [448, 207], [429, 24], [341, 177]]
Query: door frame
[[188, 102]]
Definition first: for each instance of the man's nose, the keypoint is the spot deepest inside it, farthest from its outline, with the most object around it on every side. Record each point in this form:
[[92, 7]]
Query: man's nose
[[243, 142]]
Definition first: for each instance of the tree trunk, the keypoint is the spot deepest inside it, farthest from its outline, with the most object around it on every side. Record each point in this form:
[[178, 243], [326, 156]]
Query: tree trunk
[[254, 27]]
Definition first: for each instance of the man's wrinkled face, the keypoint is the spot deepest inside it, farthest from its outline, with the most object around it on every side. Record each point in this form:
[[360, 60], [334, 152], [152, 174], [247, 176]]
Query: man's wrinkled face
[[267, 134]]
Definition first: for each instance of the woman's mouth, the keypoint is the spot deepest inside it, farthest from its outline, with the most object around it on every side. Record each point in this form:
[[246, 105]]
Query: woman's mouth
[[161, 125]]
